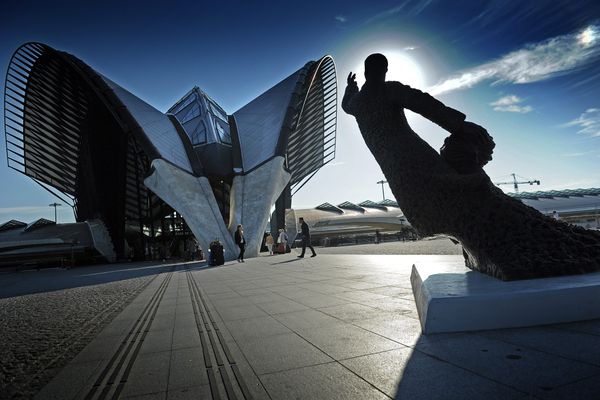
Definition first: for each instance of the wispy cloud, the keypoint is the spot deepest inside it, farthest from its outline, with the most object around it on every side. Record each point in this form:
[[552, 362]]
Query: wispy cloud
[[24, 210], [580, 154], [408, 8], [341, 18], [534, 62], [588, 122], [511, 103]]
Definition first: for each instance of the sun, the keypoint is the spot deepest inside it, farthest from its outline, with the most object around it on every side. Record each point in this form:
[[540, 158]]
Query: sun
[[401, 68]]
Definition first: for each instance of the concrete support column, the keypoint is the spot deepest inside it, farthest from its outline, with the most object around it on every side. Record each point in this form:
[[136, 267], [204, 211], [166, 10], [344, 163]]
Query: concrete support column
[[252, 196], [193, 198]]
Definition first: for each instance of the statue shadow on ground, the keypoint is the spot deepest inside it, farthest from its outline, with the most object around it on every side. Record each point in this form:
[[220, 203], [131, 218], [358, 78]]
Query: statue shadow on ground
[[529, 362], [431, 369], [26, 282]]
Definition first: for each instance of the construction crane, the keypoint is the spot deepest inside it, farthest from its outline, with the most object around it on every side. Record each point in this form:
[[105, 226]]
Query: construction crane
[[382, 182], [516, 183]]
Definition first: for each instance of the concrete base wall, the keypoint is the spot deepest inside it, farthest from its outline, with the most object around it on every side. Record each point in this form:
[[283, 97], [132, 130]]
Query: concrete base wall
[[452, 298], [252, 196], [193, 198]]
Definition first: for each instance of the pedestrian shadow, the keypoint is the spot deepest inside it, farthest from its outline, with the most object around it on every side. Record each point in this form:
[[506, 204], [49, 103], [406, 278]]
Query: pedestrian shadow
[[288, 261]]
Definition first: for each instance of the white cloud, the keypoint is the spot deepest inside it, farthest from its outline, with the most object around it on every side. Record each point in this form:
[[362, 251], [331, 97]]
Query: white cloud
[[341, 18], [534, 62], [588, 122], [511, 103]]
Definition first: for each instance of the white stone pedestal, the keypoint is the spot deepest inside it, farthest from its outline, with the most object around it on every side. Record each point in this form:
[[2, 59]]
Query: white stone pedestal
[[453, 298]]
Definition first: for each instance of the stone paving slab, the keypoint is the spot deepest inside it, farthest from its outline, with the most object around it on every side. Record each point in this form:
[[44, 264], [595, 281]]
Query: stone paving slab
[[330, 327]]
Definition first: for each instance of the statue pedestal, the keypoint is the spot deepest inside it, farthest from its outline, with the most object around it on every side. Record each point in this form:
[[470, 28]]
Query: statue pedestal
[[453, 298]]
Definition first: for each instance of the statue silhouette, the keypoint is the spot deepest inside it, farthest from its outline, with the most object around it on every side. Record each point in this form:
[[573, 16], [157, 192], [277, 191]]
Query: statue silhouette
[[449, 193]]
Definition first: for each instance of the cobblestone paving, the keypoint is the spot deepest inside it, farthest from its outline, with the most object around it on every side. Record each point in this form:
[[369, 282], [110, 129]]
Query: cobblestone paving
[[40, 333], [439, 245]]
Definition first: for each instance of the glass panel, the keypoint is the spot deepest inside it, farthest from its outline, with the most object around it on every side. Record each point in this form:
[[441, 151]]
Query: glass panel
[[192, 113], [190, 127], [223, 130], [179, 114], [184, 103], [199, 134], [218, 111]]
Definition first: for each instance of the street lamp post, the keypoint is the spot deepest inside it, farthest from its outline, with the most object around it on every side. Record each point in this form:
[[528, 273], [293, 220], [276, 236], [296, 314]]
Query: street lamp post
[[382, 182], [55, 205]]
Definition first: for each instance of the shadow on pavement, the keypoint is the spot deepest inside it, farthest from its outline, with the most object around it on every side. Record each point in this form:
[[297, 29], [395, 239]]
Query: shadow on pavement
[[51, 279], [288, 261]]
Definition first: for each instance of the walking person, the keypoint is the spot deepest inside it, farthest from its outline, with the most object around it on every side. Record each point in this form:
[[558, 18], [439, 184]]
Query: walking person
[[282, 240], [305, 238], [269, 242], [241, 242]]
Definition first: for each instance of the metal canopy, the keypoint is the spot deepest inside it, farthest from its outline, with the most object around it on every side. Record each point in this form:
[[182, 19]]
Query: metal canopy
[[38, 223], [372, 204], [351, 206], [12, 224]]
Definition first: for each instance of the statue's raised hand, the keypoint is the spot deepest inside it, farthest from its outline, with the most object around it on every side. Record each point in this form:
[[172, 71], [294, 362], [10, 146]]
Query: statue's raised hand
[[352, 80]]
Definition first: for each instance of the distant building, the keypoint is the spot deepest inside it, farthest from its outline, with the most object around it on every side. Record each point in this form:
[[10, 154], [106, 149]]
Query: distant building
[[116, 159], [328, 221], [43, 242], [578, 206]]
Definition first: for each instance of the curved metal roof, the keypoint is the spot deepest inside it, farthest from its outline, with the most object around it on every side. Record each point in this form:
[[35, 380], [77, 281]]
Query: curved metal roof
[[259, 123], [295, 119], [311, 142], [157, 127], [48, 98]]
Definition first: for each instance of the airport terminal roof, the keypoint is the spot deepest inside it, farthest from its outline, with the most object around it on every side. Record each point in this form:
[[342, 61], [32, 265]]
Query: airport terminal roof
[[563, 201], [556, 193]]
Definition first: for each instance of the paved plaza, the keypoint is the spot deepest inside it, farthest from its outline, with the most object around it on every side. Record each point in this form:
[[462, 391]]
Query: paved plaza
[[332, 327]]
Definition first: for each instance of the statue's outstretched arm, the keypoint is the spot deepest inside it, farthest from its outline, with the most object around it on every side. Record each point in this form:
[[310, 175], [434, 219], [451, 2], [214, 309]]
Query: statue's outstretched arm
[[434, 110], [351, 90]]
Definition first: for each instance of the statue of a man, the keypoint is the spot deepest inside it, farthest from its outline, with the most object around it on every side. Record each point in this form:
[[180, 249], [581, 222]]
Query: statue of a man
[[449, 193]]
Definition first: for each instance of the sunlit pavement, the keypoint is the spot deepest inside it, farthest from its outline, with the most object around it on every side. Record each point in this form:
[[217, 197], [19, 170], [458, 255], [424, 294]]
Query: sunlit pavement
[[330, 327]]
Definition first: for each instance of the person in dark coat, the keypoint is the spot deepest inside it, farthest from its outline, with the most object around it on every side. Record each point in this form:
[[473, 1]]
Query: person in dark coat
[[305, 238], [241, 242]]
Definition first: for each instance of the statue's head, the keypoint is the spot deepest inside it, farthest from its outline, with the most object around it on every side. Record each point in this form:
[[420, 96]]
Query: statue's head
[[376, 66]]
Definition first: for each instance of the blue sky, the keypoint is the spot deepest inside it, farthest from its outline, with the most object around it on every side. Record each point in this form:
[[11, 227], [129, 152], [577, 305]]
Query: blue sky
[[527, 71]]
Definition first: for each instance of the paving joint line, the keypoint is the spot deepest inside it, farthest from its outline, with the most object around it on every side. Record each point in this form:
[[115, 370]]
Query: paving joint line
[[110, 373], [204, 316]]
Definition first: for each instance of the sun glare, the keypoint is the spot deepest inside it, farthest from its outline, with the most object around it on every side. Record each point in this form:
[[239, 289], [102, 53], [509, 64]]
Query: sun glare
[[588, 36], [401, 68]]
